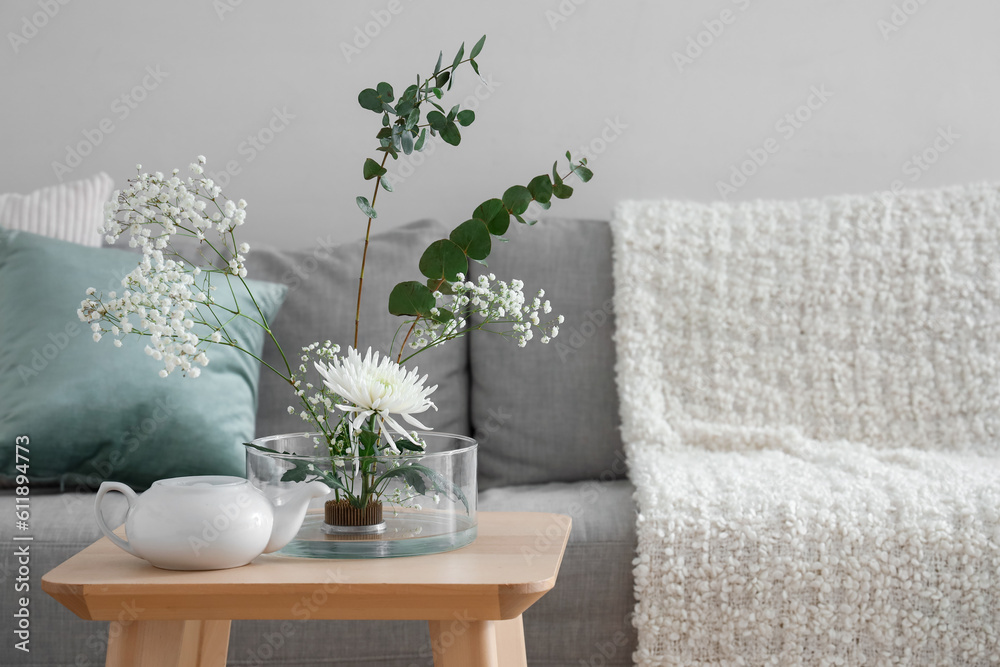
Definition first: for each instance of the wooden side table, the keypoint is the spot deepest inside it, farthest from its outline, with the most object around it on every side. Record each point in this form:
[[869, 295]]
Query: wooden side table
[[182, 619]]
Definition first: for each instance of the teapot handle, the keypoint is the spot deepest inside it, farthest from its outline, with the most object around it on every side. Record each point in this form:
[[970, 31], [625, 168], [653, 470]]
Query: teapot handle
[[130, 496]]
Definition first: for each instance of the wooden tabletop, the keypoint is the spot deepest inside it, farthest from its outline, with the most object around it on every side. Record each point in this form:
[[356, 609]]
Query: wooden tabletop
[[512, 563]]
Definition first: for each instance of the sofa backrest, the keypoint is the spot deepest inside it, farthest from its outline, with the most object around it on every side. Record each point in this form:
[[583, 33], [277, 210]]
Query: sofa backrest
[[544, 413]]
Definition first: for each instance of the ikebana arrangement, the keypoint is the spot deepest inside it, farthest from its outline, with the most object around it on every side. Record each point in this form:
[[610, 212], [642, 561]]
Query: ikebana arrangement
[[363, 406]]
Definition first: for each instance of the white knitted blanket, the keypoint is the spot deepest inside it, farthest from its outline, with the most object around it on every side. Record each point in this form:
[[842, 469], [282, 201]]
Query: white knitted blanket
[[810, 400]]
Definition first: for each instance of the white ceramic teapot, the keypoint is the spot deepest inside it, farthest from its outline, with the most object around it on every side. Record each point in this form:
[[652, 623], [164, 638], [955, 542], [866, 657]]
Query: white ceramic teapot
[[208, 522]]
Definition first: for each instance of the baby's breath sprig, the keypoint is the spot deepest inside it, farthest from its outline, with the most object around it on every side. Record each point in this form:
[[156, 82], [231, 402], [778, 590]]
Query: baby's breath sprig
[[491, 305], [168, 299]]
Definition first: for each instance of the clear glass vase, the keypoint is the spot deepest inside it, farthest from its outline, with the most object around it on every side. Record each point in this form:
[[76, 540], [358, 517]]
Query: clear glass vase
[[380, 506]]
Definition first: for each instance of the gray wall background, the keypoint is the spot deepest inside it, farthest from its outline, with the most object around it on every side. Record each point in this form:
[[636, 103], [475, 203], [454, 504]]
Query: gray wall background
[[732, 99]]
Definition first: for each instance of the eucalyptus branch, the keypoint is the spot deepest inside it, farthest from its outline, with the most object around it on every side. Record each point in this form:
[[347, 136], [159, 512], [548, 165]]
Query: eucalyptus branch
[[364, 255]]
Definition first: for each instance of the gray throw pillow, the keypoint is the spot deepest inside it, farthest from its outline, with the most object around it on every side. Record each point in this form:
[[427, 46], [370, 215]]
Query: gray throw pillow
[[322, 282], [549, 413]]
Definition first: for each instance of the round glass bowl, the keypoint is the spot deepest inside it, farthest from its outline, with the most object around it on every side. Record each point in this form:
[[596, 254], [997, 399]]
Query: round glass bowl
[[428, 498]]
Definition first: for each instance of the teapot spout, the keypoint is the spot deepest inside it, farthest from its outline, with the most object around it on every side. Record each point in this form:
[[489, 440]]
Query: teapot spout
[[289, 512]]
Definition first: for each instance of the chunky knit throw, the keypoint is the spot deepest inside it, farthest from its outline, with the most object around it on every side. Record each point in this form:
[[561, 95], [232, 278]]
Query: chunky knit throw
[[810, 401]]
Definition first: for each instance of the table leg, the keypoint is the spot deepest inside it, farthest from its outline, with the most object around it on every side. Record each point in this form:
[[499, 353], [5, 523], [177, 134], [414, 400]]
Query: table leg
[[463, 643], [169, 644], [478, 643], [510, 643]]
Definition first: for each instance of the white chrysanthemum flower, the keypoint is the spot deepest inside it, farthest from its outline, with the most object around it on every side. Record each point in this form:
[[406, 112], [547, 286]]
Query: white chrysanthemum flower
[[379, 388]]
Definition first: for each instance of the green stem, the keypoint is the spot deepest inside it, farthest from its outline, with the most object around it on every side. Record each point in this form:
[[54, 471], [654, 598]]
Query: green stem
[[364, 255]]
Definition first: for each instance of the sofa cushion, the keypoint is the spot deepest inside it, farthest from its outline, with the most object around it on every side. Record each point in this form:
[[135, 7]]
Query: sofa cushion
[[94, 412], [323, 289], [70, 211], [549, 413]]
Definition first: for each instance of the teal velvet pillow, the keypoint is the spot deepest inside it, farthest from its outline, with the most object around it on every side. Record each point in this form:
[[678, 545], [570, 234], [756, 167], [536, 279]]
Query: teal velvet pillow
[[93, 411]]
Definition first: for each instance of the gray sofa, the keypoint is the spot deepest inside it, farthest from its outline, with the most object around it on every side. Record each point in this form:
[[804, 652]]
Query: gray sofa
[[546, 418]]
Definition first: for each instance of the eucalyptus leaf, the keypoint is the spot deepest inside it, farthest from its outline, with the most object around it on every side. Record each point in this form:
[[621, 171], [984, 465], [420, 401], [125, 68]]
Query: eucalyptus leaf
[[443, 316], [493, 213], [438, 285], [584, 173], [373, 170], [473, 237], [562, 191], [420, 141], [369, 99], [516, 199], [437, 67], [366, 207], [541, 189], [451, 135], [478, 47], [412, 119], [437, 120], [466, 117], [385, 91], [458, 56], [411, 298], [406, 140], [386, 185], [443, 259]]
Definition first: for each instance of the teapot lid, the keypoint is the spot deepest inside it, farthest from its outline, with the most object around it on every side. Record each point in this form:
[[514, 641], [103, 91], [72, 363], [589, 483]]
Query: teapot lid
[[205, 482]]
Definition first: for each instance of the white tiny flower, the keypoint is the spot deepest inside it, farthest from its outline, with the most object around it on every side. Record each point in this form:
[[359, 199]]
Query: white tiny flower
[[97, 337]]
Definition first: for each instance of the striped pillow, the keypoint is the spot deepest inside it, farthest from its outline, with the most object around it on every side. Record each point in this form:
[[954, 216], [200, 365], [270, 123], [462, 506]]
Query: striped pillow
[[69, 211]]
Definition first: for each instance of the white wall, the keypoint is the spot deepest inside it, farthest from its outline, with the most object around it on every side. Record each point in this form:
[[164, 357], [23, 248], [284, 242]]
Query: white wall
[[564, 73]]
